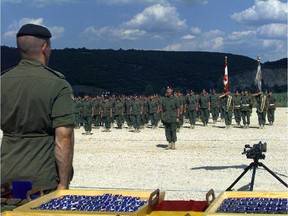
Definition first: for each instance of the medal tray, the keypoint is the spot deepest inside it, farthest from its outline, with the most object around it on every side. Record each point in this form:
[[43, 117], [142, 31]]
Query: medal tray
[[150, 198], [215, 207]]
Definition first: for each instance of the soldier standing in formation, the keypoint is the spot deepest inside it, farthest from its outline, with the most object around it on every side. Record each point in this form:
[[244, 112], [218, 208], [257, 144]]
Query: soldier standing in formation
[[119, 113], [153, 110], [204, 106], [97, 112], [237, 108], [215, 103], [87, 114], [271, 105], [170, 117], [246, 108], [107, 114], [227, 97], [137, 110], [261, 108], [191, 108]]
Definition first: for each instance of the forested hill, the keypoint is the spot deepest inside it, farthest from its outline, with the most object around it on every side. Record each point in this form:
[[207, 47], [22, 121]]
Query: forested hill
[[136, 71]]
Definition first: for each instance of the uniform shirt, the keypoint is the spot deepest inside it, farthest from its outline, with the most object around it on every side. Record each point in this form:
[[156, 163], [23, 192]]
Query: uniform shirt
[[87, 107], [245, 103], [118, 108], [271, 102], [214, 100], [106, 107], [169, 107], [237, 102], [136, 107], [191, 102], [153, 106], [96, 105], [204, 101], [34, 101]]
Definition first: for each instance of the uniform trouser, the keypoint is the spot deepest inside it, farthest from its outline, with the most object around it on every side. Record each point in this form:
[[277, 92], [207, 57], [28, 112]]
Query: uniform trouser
[[170, 131], [154, 119], [270, 115], [261, 117], [192, 116], [237, 115], [215, 113], [119, 120], [205, 115], [87, 120], [246, 117], [222, 113], [107, 121], [77, 120], [228, 117], [136, 121], [144, 119], [81, 119], [96, 120], [129, 120]]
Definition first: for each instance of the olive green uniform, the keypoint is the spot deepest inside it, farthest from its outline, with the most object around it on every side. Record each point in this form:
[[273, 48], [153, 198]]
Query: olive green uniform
[[192, 103], [214, 105], [271, 109], [228, 110], [246, 109], [87, 115], [35, 100], [153, 112], [77, 109], [204, 108], [106, 109], [118, 115], [261, 109], [128, 117], [237, 108], [136, 113], [170, 105], [96, 120]]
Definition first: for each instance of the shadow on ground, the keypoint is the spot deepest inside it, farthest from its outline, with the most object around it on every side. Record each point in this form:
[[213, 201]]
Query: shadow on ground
[[219, 167]]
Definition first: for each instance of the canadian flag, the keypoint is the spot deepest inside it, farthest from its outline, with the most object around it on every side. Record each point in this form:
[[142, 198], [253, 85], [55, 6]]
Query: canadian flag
[[225, 79]]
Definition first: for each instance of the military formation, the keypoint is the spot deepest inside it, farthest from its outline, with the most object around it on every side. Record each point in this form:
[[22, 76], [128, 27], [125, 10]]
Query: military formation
[[139, 112]]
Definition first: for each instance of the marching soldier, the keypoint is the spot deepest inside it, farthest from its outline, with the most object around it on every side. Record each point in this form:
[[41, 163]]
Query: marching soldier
[[97, 112], [170, 117], [204, 106], [246, 108], [271, 104], [191, 108], [153, 110], [237, 108]]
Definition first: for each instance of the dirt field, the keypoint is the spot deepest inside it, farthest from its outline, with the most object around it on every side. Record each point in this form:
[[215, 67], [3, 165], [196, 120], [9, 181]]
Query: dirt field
[[206, 157]]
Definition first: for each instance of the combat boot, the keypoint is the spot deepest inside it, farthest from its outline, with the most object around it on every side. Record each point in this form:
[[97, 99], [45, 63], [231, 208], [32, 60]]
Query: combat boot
[[169, 146], [173, 146], [137, 130]]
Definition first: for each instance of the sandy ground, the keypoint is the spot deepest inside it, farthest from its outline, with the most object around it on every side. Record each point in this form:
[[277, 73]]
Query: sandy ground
[[206, 157]]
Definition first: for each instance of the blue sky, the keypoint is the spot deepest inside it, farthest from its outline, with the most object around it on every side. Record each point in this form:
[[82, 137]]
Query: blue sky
[[245, 27]]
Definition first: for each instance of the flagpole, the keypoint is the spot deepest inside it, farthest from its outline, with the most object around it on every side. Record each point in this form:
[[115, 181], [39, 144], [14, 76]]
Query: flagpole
[[226, 75]]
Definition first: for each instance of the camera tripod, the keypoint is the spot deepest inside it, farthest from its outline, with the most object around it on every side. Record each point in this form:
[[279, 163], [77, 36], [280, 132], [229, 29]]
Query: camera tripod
[[254, 165]]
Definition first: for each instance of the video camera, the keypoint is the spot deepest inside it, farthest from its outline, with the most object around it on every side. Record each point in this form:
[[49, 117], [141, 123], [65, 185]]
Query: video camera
[[255, 152]]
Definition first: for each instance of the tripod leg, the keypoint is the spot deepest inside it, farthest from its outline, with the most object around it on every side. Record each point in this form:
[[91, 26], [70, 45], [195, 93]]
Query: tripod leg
[[242, 174], [273, 174], [253, 178]]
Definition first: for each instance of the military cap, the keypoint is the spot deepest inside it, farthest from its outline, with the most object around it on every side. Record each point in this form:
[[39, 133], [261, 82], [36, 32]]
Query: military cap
[[34, 30]]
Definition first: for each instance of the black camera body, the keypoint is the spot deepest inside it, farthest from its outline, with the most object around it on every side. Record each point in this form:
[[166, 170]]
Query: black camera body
[[256, 151]]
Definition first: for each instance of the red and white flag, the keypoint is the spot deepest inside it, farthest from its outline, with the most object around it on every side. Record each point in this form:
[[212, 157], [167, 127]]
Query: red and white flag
[[225, 79]]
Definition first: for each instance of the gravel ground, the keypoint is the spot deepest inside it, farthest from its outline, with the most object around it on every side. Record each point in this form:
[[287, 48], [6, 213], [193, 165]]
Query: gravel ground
[[206, 157]]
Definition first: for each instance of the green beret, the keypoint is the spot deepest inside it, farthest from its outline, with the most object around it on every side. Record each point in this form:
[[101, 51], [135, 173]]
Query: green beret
[[34, 30]]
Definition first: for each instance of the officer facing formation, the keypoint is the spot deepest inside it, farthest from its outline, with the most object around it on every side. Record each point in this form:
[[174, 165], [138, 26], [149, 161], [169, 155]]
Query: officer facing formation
[[37, 116]]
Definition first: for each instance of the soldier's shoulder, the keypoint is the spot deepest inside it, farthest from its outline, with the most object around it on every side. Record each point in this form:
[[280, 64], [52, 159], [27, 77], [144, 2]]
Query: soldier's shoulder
[[54, 72], [7, 70]]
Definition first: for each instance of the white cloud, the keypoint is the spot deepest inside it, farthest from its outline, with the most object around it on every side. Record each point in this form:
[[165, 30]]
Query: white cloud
[[263, 11], [15, 26], [195, 30], [273, 30], [156, 22], [243, 35], [188, 37]]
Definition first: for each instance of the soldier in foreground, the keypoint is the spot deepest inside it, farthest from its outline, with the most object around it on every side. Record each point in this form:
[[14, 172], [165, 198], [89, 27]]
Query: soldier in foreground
[[37, 116], [170, 117]]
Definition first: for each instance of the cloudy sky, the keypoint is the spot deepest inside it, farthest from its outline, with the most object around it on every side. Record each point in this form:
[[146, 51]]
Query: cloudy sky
[[245, 27]]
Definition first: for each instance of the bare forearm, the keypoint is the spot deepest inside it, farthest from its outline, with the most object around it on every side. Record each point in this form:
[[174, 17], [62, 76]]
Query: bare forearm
[[64, 150]]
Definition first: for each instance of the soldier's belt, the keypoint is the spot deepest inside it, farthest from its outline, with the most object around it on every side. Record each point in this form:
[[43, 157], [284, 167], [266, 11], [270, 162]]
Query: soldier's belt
[[246, 105], [271, 104], [237, 106]]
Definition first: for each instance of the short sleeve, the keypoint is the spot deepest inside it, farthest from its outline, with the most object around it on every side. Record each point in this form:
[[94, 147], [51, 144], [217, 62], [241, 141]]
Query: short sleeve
[[63, 106]]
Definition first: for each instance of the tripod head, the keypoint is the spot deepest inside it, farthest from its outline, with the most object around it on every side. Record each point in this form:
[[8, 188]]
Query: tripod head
[[256, 151]]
